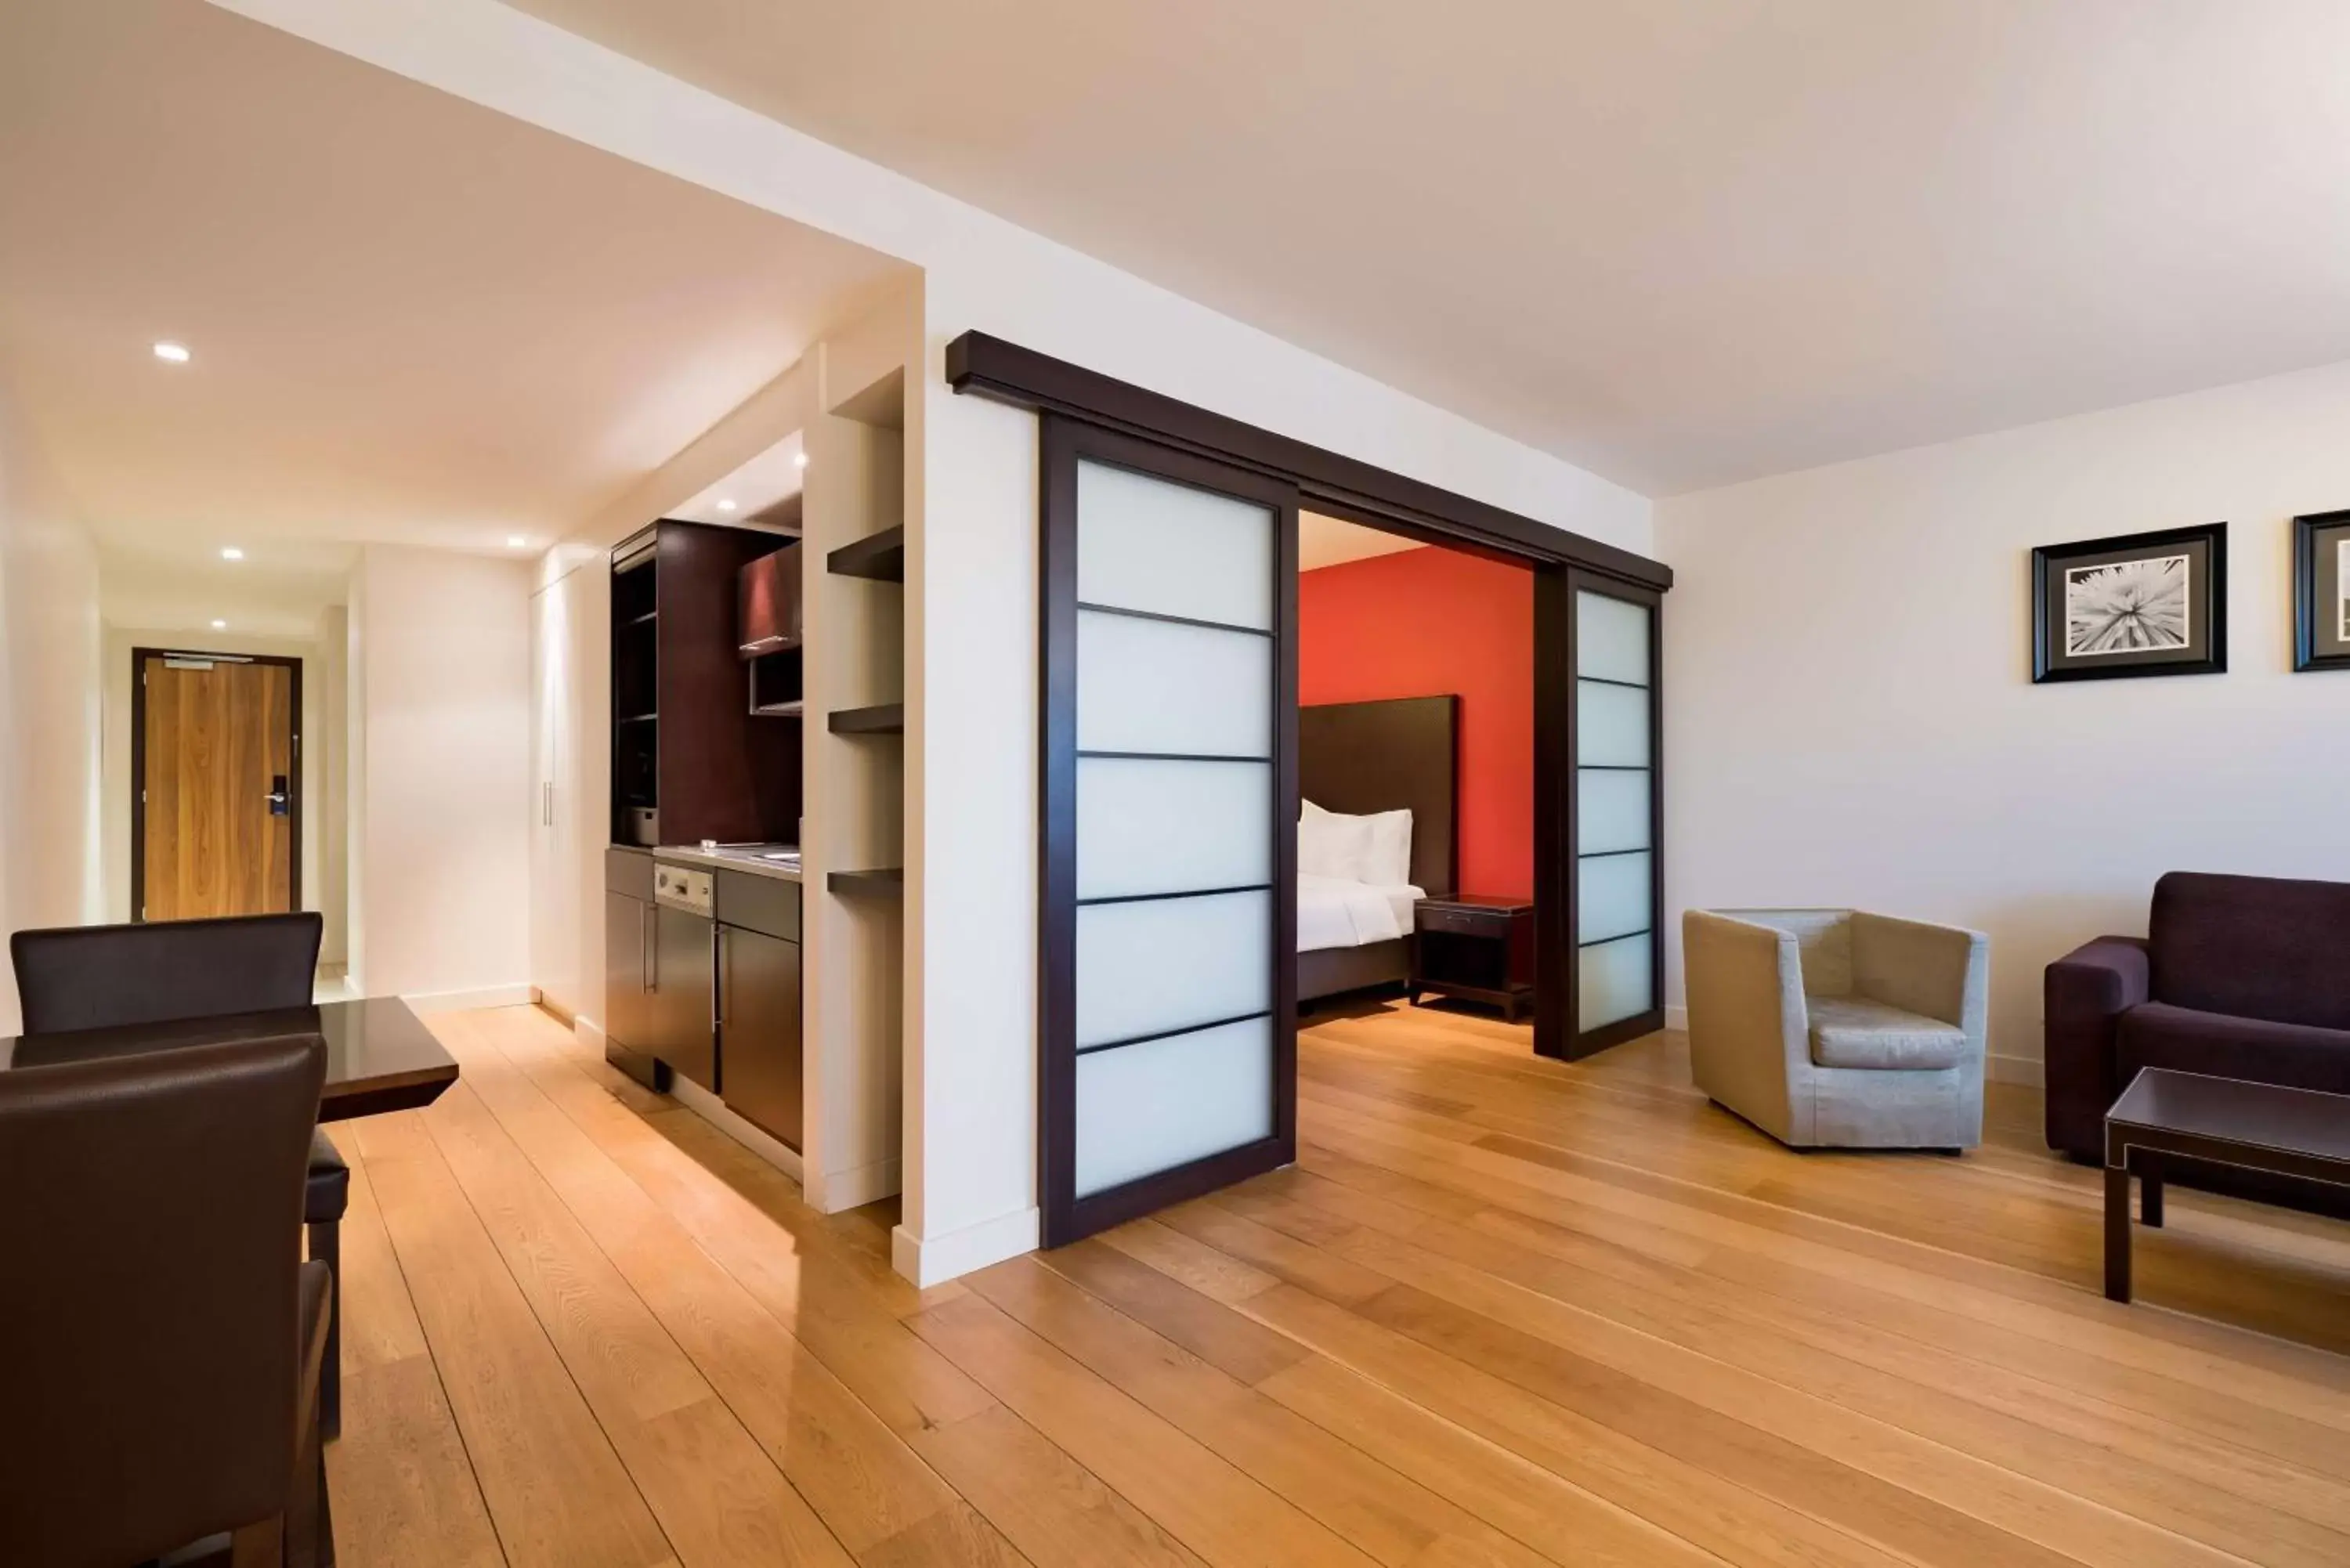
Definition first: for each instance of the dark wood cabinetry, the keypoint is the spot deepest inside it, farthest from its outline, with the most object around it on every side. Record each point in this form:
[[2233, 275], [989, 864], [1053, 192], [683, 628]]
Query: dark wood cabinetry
[[1477, 948], [628, 967], [690, 760], [712, 991], [759, 1030], [680, 1031], [759, 1038]]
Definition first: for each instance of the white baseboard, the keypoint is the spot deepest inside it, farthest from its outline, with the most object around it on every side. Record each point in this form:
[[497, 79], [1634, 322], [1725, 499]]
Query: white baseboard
[[713, 1109], [480, 996], [589, 1031], [935, 1259], [2026, 1070], [830, 1191], [1677, 1018]]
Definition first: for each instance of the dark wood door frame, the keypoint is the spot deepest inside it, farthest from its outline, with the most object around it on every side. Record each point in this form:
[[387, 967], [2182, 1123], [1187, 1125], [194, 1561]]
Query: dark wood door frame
[[139, 658], [1358, 492]]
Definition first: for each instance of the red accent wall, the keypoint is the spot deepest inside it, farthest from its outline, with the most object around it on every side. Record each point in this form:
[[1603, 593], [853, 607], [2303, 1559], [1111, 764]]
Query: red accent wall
[[1422, 623]]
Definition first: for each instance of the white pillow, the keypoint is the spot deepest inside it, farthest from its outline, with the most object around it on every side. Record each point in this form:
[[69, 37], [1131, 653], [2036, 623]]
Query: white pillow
[[1386, 860], [1330, 844], [1307, 809]]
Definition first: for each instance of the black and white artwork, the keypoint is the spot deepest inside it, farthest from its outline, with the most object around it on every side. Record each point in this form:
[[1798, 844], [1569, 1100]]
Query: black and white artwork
[[2139, 604], [2321, 591], [2130, 606]]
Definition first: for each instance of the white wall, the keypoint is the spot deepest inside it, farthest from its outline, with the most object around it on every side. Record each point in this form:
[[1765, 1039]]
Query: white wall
[[1849, 714], [442, 792], [971, 789], [322, 805], [48, 697]]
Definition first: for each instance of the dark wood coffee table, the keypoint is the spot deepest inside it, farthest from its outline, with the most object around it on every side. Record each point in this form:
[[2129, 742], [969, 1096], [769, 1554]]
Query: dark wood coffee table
[[2258, 1126]]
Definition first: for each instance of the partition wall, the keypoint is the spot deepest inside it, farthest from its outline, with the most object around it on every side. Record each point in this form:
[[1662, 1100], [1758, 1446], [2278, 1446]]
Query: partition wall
[[1168, 798]]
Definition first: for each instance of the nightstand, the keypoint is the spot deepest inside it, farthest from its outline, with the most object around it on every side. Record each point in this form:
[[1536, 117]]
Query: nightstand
[[1479, 949]]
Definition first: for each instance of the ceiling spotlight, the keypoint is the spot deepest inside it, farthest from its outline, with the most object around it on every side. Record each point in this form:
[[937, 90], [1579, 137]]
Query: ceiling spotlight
[[799, 459], [726, 506], [220, 625], [516, 541], [231, 552], [172, 353]]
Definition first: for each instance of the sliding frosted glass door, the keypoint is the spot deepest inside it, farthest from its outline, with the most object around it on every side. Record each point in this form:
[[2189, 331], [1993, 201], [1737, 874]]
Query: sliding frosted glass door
[[1618, 951], [1170, 852]]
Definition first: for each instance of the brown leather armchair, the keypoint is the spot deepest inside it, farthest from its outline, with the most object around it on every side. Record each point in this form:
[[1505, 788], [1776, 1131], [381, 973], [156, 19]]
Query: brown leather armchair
[[111, 977], [164, 1335]]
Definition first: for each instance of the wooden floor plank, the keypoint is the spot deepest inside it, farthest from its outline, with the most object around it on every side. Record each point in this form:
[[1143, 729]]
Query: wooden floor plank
[[555, 1489], [718, 1496], [871, 1490], [1504, 1312], [403, 1487]]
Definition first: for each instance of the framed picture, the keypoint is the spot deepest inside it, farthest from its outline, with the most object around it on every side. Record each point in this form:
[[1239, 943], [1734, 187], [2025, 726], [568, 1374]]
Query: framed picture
[[2142, 604], [2321, 591]]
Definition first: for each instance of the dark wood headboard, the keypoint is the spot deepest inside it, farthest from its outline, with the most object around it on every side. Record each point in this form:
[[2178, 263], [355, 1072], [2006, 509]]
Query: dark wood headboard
[[1362, 757]]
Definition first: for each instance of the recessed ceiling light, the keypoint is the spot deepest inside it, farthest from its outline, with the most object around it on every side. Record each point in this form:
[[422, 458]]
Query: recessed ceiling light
[[726, 506], [231, 552], [516, 541], [220, 625], [172, 353], [799, 459]]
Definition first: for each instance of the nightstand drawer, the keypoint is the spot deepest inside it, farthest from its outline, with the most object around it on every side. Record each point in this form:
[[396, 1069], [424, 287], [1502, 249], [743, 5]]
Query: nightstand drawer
[[1464, 922]]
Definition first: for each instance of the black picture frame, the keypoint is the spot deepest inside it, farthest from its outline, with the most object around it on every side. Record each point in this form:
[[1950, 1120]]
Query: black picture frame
[[2205, 649], [2315, 536]]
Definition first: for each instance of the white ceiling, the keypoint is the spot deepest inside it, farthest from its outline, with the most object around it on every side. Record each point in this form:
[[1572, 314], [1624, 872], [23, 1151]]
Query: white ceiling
[[412, 319], [1681, 242], [1328, 542]]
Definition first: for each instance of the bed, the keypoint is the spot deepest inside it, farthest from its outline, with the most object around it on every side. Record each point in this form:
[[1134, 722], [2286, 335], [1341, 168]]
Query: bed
[[1362, 759]]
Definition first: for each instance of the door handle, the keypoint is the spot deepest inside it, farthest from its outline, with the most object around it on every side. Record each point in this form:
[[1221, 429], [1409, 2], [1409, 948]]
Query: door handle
[[278, 794]]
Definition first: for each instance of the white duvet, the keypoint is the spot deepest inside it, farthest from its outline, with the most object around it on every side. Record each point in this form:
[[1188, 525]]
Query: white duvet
[[1335, 913]]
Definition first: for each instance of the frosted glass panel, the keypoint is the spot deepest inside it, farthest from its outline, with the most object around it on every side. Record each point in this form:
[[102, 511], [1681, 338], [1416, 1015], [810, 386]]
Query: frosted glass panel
[[1152, 686], [1143, 1109], [1611, 896], [1611, 726], [1611, 639], [1611, 811], [1171, 963], [1173, 826], [1152, 545], [1613, 980]]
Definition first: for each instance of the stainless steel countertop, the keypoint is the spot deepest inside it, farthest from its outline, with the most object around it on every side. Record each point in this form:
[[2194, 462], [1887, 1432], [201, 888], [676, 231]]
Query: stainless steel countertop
[[694, 855]]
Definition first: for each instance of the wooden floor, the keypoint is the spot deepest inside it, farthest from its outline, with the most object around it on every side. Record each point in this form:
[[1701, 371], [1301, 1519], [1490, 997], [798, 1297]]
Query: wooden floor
[[1503, 1312]]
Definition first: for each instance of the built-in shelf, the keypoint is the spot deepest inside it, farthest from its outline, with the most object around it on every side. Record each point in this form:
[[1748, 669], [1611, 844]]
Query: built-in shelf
[[887, 718], [886, 884], [881, 557], [790, 709]]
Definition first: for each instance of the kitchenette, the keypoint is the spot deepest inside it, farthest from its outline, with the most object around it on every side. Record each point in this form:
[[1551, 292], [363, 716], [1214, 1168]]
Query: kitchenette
[[726, 709]]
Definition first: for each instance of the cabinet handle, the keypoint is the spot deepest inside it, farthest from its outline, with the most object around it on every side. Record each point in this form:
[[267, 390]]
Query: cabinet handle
[[721, 949], [647, 949]]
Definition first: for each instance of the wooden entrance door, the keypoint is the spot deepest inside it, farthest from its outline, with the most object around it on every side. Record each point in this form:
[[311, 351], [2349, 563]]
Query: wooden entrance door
[[216, 816]]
